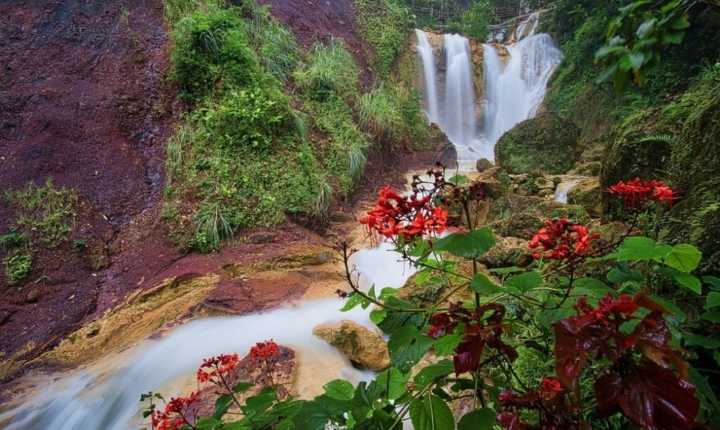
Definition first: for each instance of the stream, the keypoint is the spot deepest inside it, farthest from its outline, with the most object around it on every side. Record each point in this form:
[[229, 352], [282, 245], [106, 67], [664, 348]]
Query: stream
[[105, 395]]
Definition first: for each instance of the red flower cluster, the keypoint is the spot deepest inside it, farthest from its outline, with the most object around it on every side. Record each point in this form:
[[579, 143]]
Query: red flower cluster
[[215, 369], [408, 217], [549, 400], [177, 413], [668, 400], [480, 331], [264, 351], [562, 240], [635, 193]]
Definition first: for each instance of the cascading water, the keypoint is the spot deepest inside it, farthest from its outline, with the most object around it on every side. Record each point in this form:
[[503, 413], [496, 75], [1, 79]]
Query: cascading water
[[427, 57], [106, 396], [515, 90], [515, 84]]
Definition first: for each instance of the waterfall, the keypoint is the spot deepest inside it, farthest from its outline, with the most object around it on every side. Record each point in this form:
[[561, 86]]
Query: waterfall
[[516, 77], [427, 57], [515, 90]]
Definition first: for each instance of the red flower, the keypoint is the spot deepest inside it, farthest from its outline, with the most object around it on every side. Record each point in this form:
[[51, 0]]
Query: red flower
[[408, 217], [177, 413], [636, 192], [561, 239], [264, 350], [215, 369]]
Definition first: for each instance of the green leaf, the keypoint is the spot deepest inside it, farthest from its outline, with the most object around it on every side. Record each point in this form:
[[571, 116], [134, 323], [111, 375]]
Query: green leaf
[[340, 389], [352, 302], [713, 300], [525, 282], [407, 346], [467, 245], [638, 248], [646, 28], [431, 413], [241, 387], [431, 373], [707, 342], [260, 402], [479, 419], [713, 317], [637, 59], [690, 282], [713, 281], [446, 345], [684, 257], [393, 382], [481, 284], [377, 316], [680, 23], [222, 404]]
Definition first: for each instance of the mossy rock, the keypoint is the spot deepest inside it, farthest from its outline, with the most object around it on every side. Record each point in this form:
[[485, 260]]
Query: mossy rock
[[545, 143], [587, 194]]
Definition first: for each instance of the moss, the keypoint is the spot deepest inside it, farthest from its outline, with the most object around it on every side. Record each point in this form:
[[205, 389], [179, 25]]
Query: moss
[[546, 142]]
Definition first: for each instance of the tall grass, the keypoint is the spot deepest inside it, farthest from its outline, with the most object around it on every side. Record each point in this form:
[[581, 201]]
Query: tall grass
[[331, 72]]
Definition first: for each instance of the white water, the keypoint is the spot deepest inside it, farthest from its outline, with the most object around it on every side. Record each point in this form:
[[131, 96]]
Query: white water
[[106, 396], [428, 60], [563, 190], [514, 88]]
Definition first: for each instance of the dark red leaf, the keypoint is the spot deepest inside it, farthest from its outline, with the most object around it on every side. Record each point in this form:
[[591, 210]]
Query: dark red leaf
[[653, 397]]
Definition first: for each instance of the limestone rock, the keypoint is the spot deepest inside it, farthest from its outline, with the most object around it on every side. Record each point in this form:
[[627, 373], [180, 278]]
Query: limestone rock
[[362, 346], [508, 251]]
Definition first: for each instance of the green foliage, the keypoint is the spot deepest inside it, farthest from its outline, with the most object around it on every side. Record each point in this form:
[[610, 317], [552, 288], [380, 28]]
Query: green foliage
[[247, 121], [475, 21], [45, 213], [386, 25], [211, 51], [17, 265], [331, 72], [393, 115]]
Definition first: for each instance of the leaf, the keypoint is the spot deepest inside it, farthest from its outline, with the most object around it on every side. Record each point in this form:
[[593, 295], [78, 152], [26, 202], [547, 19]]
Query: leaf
[[680, 23], [352, 302], [467, 245], [222, 404], [713, 300], [479, 419], [713, 281], [407, 346], [639, 248], [637, 59], [525, 282], [431, 413], [707, 342], [432, 372], [684, 257], [340, 389], [259, 402], [241, 387], [690, 282], [607, 50], [377, 316], [481, 284], [673, 37], [646, 28], [713, 317], [393, 382], [446, 345], [651, 396]]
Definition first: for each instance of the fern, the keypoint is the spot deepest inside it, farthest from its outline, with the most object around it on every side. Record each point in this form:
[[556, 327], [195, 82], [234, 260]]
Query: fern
[[658, 138]]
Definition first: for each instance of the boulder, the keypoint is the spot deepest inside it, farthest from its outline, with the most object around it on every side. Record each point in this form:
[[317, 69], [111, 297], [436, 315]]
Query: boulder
[[508, 251], [483, 164], [588, 194], [362, 346], [545, 143]]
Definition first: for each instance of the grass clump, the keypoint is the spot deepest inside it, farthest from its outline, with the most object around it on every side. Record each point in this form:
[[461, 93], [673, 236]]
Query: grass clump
[[44, 213], [330, 72], [393, 115], [17, 265]]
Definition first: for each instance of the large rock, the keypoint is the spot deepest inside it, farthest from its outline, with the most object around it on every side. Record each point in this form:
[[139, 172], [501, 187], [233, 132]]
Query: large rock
[[545, 143], [588, 194], [362, 346]]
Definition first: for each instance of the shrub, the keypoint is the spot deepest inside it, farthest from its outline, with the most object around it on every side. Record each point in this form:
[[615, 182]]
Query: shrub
[[248, 120], [385, 24], [211, 49]]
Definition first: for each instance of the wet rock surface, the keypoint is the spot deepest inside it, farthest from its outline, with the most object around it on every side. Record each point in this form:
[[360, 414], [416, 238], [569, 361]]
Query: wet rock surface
[[362, 346]]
